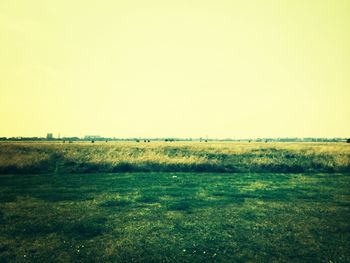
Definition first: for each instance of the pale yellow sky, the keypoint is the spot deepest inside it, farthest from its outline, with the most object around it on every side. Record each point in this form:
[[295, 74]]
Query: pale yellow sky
[[184, 68]]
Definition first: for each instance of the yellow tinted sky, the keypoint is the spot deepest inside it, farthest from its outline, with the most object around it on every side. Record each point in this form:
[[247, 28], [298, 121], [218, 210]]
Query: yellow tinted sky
[[179, 68]]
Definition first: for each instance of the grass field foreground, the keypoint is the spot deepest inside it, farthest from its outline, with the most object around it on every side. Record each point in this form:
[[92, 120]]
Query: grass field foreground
[[175, 217]]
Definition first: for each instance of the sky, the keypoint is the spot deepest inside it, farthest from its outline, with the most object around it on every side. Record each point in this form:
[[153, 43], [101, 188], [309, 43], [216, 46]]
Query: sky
[[182, 68]]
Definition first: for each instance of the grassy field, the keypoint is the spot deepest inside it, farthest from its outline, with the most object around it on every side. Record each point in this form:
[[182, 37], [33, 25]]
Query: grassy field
[[175, 217], [173, 157], [174, 202]]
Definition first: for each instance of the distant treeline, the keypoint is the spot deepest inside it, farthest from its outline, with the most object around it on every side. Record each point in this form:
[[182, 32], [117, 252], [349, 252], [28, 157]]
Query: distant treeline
[[68, 139]]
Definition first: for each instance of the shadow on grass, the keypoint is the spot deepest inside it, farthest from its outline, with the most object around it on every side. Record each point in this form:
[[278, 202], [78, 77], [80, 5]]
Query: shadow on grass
[[188, 205], [77, 228], [148, 199], [85, 228], [116, 203], [180, 206], [62, 196]]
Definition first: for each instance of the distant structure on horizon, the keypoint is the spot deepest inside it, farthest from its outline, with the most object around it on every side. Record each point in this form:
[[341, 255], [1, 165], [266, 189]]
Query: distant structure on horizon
[[49, 136]]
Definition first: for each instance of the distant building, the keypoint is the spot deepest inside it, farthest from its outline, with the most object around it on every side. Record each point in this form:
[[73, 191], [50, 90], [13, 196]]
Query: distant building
[[49, 136]]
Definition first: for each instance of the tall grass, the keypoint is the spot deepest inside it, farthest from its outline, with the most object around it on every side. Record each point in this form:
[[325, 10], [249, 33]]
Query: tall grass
[[173, 157]]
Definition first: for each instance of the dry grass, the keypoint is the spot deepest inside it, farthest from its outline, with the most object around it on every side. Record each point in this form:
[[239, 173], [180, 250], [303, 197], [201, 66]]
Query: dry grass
[[48, 157]]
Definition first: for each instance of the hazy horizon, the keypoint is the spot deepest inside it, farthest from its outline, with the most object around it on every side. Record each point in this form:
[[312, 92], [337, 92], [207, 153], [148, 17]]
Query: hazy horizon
[[57, 136], [222, 69]]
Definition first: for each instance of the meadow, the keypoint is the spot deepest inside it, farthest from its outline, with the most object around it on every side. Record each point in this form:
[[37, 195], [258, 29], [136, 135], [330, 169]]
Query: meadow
[[52, 157], [174, 202]]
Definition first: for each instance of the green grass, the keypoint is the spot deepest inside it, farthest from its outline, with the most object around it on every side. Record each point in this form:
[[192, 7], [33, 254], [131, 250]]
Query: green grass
[[175, 217]]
